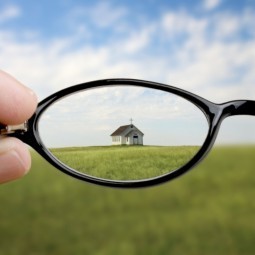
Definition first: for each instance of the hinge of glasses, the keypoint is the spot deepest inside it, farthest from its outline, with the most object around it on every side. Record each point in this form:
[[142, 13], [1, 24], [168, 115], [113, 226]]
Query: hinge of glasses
[[11, 129]]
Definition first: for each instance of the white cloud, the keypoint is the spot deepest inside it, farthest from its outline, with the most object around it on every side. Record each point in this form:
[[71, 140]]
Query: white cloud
[[103, 14], [196, 63], [196, 56], [9, 12], [211, 4], [137, 41], [213, 55], [175, 23], [228, 25]]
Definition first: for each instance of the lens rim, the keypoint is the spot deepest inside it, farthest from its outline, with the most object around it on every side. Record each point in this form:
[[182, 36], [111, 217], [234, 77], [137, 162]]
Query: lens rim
[[212, 112]]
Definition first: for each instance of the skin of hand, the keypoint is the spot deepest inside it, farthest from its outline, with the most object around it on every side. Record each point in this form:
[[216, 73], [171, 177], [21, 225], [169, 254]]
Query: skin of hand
[[17, 104]]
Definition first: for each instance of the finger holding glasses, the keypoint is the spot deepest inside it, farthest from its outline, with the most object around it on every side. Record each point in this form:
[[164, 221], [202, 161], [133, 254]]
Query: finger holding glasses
[[17, 104]]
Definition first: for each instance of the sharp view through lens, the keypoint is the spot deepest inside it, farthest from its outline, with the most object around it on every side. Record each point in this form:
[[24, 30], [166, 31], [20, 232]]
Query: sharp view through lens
[[123, 132]]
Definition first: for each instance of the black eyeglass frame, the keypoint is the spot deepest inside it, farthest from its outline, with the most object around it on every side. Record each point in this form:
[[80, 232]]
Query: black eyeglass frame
[[215, 114]]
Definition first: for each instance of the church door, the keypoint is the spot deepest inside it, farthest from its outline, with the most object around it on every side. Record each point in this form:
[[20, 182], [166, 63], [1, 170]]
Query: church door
[[135, 139]]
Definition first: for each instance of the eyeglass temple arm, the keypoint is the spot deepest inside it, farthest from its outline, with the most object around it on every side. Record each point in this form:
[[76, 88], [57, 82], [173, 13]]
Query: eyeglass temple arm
[[11, 129], [242, 107]]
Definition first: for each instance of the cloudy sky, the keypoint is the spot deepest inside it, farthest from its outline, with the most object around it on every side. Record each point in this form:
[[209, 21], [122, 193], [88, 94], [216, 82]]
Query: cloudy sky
[[206, 47]]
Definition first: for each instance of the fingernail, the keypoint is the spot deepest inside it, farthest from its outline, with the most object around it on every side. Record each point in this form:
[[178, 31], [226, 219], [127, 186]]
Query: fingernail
[[32, 93]]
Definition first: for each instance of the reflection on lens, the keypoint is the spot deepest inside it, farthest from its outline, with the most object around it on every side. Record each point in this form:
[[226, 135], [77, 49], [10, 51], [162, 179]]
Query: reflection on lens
[[123, 132]]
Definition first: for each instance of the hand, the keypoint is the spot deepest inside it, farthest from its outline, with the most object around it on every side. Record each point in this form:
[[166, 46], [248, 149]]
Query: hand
[[17, 104]]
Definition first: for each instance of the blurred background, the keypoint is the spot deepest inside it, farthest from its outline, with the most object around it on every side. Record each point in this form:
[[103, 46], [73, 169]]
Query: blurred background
[[206, 47]]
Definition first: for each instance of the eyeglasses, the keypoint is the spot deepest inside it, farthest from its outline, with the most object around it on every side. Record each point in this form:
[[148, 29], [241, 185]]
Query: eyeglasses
[[125, 132]]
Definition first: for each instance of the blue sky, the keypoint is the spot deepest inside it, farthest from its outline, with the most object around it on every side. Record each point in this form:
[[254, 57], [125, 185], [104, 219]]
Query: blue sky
[[206, 47]]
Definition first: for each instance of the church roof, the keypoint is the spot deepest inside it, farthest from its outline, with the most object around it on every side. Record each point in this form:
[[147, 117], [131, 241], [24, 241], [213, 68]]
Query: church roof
[[121, 129]]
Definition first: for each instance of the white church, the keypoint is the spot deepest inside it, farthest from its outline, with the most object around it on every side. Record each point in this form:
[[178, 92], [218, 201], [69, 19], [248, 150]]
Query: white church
[[127, 135]]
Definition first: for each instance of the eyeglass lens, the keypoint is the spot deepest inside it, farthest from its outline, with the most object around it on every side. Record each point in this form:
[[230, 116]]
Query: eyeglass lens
[[123, 132]]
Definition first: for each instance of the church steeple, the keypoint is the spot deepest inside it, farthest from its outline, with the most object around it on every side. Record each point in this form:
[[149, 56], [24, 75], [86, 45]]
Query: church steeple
[[131, 122]]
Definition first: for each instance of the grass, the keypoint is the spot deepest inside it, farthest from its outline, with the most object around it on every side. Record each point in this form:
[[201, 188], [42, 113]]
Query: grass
[[210, 210], [125, 162]]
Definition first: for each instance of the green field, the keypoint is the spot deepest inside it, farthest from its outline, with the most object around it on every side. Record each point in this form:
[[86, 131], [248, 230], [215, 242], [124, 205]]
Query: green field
[[210, 210], [125, 162]]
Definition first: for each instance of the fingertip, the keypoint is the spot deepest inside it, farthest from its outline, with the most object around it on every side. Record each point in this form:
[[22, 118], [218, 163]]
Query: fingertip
[[15, 160], [17, 103]]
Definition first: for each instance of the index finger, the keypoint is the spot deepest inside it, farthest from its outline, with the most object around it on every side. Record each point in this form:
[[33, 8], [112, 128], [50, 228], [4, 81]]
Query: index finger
[[17, 102]]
